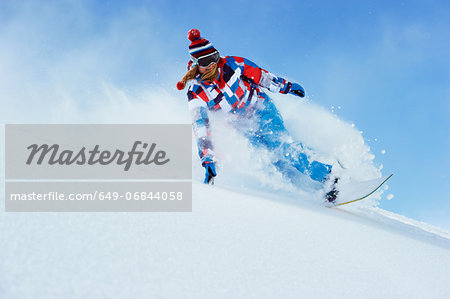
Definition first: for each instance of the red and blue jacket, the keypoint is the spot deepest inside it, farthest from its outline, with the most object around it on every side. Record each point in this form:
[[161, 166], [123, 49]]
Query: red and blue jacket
[[236, 90]]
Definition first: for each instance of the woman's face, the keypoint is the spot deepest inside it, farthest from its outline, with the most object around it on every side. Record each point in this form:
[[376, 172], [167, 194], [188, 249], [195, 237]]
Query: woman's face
[[203, 70]]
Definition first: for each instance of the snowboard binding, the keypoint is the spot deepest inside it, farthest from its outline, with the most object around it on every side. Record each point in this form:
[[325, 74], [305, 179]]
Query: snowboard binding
[[331, 195]]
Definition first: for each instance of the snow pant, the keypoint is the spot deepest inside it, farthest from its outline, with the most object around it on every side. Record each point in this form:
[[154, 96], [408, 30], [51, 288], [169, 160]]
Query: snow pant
[[290, 159]]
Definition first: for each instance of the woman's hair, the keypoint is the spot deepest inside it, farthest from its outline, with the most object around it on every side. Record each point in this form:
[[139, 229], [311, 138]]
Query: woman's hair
[[193, 72]]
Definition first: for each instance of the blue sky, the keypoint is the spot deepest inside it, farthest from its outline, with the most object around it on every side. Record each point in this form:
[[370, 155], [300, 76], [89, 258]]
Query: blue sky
[[385, 63]]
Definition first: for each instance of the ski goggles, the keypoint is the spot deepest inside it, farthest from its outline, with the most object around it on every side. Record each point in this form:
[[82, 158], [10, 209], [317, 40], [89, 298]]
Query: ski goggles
[[208, 60]]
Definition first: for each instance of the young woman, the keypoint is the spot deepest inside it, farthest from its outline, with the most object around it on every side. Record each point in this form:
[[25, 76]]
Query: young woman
[[236, 85]]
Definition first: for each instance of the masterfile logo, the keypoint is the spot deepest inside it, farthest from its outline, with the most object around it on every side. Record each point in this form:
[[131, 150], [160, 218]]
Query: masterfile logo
[[99, 168], [52, 155], [70, 151]]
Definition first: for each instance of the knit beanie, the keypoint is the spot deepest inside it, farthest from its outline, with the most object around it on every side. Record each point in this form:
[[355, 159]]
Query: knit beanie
[[199, 47]]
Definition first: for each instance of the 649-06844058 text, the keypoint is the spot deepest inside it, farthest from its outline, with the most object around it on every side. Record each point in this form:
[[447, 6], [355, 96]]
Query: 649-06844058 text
[[120, 196], [100, 195]]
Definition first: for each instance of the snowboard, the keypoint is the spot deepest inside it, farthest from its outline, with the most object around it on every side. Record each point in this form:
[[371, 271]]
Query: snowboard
[[356, 191]]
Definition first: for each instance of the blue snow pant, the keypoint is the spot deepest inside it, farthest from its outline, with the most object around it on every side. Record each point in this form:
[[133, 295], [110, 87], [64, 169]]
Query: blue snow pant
[[269, 132]]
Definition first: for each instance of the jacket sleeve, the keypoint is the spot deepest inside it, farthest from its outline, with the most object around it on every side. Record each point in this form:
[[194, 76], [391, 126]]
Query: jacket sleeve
[[200, 124], [261, 77]]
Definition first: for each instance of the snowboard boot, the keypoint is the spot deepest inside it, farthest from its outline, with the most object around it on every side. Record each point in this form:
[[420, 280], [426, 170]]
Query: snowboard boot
[[331, 195]]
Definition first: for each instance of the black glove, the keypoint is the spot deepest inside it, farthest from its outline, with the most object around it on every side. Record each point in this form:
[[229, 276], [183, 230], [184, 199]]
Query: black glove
[[297, 89], [210, 170]]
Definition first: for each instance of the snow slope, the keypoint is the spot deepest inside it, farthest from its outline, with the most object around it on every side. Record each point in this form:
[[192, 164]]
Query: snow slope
[[235, 244], [251, 235]]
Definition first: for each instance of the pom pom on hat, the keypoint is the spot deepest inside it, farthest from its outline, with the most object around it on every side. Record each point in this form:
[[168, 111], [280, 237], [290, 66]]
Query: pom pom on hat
[[193, 34]]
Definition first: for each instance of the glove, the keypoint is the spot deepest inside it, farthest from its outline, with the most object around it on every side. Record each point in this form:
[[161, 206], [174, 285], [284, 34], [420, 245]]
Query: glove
[[210, 170], [297, 89]]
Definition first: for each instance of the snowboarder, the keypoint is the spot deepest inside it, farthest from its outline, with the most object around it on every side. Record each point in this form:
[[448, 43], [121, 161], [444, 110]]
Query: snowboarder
[[235, 85]]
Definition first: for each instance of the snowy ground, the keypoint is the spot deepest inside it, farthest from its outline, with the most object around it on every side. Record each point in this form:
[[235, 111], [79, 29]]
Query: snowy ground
[[252, 235], [235, 244]]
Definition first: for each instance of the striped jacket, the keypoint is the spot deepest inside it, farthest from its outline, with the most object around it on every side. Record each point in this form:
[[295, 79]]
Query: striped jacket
[[237, 90]]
